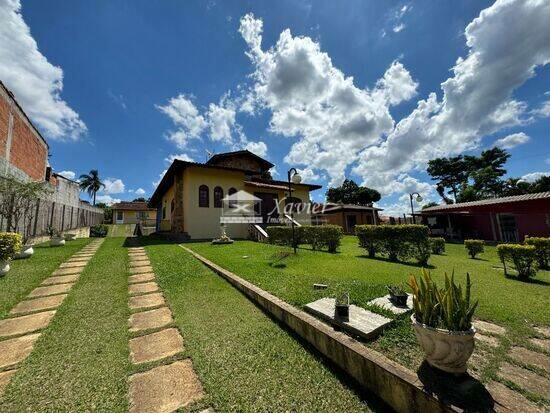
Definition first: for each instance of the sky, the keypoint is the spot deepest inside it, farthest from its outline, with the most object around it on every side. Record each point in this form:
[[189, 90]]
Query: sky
[[361, 89]]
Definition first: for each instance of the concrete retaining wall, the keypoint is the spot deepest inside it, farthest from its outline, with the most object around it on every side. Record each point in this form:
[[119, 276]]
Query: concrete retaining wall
[[399, 387]]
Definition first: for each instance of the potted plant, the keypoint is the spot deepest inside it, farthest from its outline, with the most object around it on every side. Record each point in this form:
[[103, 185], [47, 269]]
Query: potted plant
[[56, 238], [341, 308], [442, 321], [398, 295], [10, 244]]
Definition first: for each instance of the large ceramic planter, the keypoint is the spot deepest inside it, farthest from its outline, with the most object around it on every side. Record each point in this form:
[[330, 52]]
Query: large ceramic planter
[[26, 252], [57, 241], [4, 267], [446, 350], [70, 237]]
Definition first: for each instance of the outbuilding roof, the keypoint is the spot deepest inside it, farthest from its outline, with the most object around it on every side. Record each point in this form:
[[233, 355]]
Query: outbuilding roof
[[485, 202], [132, 206]]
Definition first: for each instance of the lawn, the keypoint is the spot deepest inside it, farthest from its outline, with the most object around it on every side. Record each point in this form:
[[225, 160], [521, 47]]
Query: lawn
[[80, 362], [514, 304], [245, 360], [121, 230], [28, 273]]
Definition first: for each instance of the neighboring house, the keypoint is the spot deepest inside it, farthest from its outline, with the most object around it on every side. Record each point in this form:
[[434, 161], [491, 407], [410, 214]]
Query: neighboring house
[[507, 219], [190, 197], [133, 213], [347, 216], [24, 155]]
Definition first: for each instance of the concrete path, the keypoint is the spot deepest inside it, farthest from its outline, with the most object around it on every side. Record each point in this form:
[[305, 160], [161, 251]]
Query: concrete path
[[172, 385], [19, 332]]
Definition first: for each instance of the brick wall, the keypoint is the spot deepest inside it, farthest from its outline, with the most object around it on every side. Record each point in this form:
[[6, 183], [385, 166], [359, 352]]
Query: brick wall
[[27, 152]]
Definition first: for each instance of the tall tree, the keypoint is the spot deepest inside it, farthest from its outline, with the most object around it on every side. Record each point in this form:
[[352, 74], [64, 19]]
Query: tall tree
[[351, 193], [91, 183], [450, 173]]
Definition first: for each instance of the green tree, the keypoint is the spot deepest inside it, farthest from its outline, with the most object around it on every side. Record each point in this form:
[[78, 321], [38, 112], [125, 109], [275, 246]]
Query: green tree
[[140, 199], [91, 183], [107, 211], [450, 173], [541, 185], [429, 205], [351, 193]]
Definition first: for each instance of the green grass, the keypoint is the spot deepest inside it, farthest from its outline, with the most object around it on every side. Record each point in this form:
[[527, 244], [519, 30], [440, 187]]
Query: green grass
[[121, 230], [246, 361], [506, 301], [80, 363], [26, 274]]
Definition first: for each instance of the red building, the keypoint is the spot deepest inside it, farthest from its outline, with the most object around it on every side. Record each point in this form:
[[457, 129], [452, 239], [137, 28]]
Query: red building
[[507, 219]]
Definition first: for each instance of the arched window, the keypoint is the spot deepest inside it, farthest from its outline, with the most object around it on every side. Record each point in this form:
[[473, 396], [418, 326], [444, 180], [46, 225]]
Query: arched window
[[203, 196], [218, 197], [232, 203]]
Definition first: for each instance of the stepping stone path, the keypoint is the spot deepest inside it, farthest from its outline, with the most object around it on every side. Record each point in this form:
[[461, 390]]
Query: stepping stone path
[[387, 304], [21, 329], [172, 385], [507, 399]]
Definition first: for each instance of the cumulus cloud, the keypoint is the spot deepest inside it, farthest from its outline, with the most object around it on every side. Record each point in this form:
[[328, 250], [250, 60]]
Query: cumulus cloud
[[140, 191], [543, 111], [68, 174], [311, 99], [36, 83], [308, 175], [113, 186], [181, 156], [533, 176], [259, 148], [398, 28], [107, 199], [506, 42], [221, 120], [513, 140]]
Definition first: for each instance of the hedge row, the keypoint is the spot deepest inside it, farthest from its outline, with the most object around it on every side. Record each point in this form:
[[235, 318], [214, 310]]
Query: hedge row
[[317, 236], [401, 242], [522, 257], [542, 250]]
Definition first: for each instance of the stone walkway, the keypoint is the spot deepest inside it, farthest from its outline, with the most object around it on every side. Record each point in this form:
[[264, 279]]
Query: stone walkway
[[172, 384], [525, 368], [19, 332]]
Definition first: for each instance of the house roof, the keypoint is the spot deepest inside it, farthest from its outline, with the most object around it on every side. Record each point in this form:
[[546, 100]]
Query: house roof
[[219, 156], [266, 185], [178, 165], [333, 207], [132, 206], [485, 202]]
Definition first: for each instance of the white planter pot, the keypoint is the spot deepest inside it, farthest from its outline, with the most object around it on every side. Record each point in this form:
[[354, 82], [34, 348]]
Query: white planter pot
[[26, 252], [446, 350], [57, 241], [4, 267], [70, 237]]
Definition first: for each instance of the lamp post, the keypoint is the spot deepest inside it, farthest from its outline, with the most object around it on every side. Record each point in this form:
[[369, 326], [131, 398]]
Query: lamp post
[[418, 199], [293, 177]]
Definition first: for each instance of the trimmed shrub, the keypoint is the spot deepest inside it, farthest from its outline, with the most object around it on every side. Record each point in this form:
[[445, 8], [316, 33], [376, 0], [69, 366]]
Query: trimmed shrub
[[10, 244], [438, 245], [318, 236], [474, 246], [395, 241], [522, 258], [279, 234], [99, 231], [542, 250]]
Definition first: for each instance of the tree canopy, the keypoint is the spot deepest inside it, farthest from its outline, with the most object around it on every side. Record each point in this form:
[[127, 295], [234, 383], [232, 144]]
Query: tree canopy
[[351, 193], [91, 183]]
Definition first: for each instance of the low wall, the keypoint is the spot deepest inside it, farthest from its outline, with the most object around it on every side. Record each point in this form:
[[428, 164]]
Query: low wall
[[399, 387], [82, 232]]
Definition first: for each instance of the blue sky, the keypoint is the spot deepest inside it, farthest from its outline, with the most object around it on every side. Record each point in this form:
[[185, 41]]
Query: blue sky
[[123, 86]]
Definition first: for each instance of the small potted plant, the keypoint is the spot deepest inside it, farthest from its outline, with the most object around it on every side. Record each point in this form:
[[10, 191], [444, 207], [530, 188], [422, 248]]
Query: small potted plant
[[398, 295], [10, 244], [341, 308], [442, 321], [56, 238]]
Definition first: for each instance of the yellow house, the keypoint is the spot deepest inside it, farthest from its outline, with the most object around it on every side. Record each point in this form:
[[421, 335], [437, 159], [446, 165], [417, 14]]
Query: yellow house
[[191, 199], [133, 213]]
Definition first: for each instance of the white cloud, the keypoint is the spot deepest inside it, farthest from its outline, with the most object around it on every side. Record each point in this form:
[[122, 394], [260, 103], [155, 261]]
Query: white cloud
[[140, 191], [161, 175], [107, 199], [181, 156], [308, 175], [186, 117], [258, 148], [221, 120], [398, 28], [544, 110], [36, 83], [533, 176], [314, 101], [113, 186], [513, 140], [506, 43], [68, 174]]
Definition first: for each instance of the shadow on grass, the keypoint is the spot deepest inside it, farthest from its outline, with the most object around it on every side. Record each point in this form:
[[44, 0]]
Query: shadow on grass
[[409, 264], [464, 391], [526, 280]]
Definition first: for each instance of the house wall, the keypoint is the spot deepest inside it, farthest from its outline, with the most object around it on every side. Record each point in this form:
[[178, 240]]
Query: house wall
[[166, 219], [130, 217], [339, 218]]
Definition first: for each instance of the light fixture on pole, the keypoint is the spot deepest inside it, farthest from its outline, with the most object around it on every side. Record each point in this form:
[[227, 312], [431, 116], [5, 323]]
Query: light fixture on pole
[[417, 199], [293, 177]]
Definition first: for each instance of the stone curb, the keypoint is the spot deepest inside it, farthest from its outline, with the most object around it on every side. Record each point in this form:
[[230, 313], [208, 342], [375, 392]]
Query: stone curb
[[399, 387]]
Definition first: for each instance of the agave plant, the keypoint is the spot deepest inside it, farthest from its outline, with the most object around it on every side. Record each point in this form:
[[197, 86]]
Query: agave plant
[[447, 308]]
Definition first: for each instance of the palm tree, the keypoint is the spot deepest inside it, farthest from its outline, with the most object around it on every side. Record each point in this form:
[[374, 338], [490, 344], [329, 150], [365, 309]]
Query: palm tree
[[91, 183]]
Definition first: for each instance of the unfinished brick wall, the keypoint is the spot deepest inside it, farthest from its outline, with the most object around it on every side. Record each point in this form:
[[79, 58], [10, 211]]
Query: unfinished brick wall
[[4, 120]]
